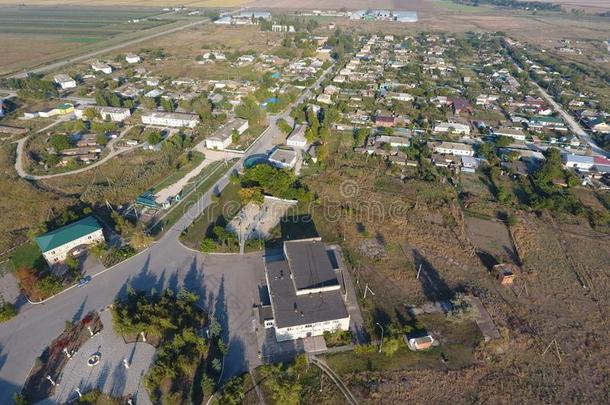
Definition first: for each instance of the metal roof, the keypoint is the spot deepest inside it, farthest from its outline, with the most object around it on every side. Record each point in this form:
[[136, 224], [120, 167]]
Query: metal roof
[[68, 233]]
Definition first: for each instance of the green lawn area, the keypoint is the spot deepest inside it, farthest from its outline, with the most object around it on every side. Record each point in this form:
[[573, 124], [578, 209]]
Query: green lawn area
[[204, 181], [197, 158], [28, 255], [248, 137]]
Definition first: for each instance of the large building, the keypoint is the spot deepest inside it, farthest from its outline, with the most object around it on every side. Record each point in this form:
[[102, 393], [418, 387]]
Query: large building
[[283, 158], [224, 137], [116, 114], [56, 245], [166, 119], [305, 291]]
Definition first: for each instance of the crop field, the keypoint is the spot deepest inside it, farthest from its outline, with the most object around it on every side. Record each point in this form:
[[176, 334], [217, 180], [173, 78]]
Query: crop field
[[30, 34]]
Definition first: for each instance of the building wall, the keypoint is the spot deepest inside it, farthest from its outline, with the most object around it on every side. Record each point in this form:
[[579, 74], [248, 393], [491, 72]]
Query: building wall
[[315, 329], [217, 144], [59, 254]]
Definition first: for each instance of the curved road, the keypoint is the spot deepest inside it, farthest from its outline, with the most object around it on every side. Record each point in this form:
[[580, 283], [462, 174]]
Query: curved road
[[113, 152], [166, 263]]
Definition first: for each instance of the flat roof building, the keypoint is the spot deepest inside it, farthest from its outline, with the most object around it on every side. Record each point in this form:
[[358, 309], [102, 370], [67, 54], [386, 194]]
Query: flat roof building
[[283, 158], [166, 119], [305, 292], [224, 137]]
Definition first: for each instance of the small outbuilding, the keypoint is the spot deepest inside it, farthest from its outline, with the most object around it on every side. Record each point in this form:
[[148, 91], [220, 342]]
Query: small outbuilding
[[505, 273]]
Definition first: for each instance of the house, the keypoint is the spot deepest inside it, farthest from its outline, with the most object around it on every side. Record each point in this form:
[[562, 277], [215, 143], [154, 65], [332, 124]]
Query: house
[[132, 58], [544, 122], [115, 114], [400, 96], [65, 81], [505, 273], [56, 245], [224, 137], [305, 291], [417, 343], [324, 99], [62, 109], [516, 134], [384, 119], [283, 158], [452, 127], [453, 148], [461, 105], [101, 67], [166, 119], [578, 161], [297, 137], [596, 124]]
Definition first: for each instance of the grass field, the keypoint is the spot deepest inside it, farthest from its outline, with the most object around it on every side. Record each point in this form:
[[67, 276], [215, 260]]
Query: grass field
[[31, 34]]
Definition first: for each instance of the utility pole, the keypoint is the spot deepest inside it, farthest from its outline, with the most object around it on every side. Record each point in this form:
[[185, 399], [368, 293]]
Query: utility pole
[[381, 344]]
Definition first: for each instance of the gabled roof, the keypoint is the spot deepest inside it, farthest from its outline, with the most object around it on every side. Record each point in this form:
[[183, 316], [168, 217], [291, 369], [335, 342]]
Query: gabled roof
[[68, 233]]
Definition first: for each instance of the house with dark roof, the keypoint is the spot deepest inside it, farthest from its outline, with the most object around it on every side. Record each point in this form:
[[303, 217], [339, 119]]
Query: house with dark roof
[[306, 291], [56, 245], [461, 105]]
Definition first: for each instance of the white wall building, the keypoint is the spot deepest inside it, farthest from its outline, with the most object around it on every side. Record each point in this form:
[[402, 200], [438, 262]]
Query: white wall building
[[224, 137], [56, 245], [132, 58], [101, 67], [453, 148], [452, 127], [115, 114], [65, 81], [283, 158], [305, 292], [514, 133], [166, 119], [297, 138]]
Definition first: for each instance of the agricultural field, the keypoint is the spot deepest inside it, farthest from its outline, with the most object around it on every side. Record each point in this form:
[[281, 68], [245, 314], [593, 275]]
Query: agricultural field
[[33, 34]]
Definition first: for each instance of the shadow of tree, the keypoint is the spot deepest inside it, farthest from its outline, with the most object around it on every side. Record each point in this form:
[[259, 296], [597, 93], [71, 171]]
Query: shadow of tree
[[435, 288]]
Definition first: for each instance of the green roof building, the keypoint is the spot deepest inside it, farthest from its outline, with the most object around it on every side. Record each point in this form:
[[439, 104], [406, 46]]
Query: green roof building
[[56, 245]]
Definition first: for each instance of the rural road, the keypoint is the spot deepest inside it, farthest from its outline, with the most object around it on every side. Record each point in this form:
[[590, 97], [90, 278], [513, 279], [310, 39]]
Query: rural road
[[575, 126], [113, 152], [80, 58], [226, 283]]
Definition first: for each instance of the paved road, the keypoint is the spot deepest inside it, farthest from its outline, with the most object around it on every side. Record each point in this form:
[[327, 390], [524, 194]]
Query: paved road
[[113, 152], [228, 283]]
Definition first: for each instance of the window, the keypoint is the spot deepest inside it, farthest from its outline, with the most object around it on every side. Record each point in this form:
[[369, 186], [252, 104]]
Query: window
[[308, 326]]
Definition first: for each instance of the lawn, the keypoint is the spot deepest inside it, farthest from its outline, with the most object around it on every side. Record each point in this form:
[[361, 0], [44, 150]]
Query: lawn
[[458, 8], [196, 159], [27, 255]]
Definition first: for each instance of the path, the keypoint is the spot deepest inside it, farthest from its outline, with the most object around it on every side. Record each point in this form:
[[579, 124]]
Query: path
[[211, 156], [335, 378], [113, 153]]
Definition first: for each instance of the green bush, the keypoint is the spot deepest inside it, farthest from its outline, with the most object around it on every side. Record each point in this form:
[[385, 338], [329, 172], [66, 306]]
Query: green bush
[[7, 311]]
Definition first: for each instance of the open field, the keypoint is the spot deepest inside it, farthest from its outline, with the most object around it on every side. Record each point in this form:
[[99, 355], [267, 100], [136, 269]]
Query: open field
[[32, 35]]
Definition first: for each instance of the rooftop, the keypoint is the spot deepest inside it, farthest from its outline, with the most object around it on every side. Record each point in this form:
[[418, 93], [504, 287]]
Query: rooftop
[[68, 233]]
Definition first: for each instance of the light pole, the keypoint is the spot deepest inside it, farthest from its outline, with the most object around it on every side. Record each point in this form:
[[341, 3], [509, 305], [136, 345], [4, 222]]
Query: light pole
[[381, 344]]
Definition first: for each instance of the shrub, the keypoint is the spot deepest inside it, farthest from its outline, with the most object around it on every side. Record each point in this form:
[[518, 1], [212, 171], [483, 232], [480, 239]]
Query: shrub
[[7, 311]]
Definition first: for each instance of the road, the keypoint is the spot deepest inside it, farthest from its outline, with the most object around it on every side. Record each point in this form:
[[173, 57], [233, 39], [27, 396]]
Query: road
[[573, 124], [227, 284], [113, 152]]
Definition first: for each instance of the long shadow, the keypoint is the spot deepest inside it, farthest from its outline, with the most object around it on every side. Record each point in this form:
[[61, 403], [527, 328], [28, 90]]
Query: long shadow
[[119, 379], [236, 361], [172, 282], [221, 313], [434, 286], [145, 280], [160, 284], [81, 310], [193, 281]]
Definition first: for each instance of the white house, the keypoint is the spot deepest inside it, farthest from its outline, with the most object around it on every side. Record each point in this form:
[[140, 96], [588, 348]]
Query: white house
[[166, 119], [223, 137], [132, 58], [324, 99], [56, 245], [283, 158], [305, 292], [400, 96], [453, 148], [115, 114], [514, 133], [297, 138], [578, 161], [101, 67], [65, 81], [452, 127]]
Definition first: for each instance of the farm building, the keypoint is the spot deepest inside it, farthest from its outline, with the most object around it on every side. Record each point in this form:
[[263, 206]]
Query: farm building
[[56, 245]]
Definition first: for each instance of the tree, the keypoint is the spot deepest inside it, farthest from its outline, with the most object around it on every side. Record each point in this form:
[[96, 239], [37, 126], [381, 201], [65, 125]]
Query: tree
[[59, 142], [7, 310], [503, 141], [154, 137], [168, 104], [283, 125], [217, 365], [101, 139]]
